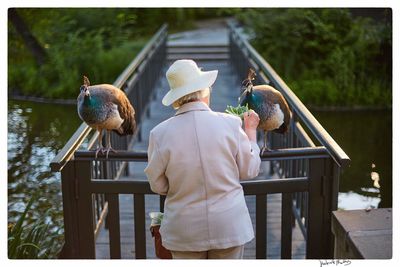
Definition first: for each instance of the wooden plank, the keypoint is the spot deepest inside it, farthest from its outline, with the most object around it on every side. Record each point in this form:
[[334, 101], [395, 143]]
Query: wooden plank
[[114, 226], [197, 50], [196, 57], [202, 45], [274, 186], [140, 226]]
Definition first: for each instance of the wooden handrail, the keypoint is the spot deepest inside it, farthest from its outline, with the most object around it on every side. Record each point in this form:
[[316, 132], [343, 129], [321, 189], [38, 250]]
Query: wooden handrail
[[251, 187], [83, 131], [301, 110], [277, 154], [121, 80], [70, 147]]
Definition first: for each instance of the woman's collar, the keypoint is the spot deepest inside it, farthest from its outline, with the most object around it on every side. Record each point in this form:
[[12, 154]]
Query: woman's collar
[[192, 106]]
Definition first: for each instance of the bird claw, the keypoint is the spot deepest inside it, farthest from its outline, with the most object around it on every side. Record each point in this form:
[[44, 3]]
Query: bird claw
[[101, 149], [265, 149], [108, 151]]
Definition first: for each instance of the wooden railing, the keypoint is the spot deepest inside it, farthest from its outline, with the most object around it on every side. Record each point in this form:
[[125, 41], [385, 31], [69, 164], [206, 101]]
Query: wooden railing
[[308, 171], [313, 213], [137, 80], [88, 186]]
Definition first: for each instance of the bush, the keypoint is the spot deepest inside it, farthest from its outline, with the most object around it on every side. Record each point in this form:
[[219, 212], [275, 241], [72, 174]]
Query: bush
[[327, 56]]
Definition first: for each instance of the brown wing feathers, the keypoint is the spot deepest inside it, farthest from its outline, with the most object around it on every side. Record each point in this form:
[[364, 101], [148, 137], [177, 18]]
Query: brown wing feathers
[[127, 113], [287, 114]]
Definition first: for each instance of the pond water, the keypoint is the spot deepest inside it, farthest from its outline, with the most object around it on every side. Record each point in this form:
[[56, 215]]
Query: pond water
[[366, 137], [36, 132]]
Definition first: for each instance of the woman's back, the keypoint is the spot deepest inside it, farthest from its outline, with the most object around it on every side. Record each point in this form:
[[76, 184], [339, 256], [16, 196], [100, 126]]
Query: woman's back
[[204, 154]]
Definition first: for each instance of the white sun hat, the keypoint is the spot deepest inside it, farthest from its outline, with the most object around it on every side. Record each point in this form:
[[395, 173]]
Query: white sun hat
[[184, 77]]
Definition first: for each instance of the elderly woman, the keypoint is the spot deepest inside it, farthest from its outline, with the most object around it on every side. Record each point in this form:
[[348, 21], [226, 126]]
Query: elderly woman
[[197, 159]]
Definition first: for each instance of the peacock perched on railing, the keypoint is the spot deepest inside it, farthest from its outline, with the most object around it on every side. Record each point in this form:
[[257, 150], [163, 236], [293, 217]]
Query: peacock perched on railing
[[269, 104], [106, 107]]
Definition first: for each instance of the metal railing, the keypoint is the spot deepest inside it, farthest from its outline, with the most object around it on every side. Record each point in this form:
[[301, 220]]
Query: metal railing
[[309, 173], [313, 215], [137, 80]]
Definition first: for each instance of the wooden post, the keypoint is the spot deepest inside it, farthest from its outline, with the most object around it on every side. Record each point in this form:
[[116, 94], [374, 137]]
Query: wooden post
[[330, 193], [83, 174], [320, 206], [70, 211]]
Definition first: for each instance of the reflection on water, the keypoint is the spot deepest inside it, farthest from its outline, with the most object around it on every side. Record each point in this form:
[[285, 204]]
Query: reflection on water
[[36, 132], [366, 136]]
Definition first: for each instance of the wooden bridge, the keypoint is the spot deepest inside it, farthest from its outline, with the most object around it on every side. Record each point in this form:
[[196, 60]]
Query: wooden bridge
[[106, 201]]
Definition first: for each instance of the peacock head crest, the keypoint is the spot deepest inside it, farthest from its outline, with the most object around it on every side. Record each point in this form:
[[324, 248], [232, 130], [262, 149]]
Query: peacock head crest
[[85, 87], [247, 84]]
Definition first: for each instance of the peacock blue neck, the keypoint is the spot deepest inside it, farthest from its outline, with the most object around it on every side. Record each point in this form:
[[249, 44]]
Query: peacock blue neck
[[89, 101], [249, 99]]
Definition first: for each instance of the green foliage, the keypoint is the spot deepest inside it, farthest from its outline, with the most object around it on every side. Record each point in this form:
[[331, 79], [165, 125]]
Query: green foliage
[[327, 56], [97, 42], [237, 111], [31, 240]]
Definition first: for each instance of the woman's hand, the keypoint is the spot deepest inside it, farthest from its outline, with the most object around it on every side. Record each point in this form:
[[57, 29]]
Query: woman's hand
[[251, 121]]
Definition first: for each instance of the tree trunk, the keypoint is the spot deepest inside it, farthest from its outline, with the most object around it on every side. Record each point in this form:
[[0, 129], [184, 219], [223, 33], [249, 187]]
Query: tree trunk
[[30, 41]]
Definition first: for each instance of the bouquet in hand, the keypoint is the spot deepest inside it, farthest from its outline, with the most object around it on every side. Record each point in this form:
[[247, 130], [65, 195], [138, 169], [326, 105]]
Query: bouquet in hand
[[161, 251], [156, 218], [237, 111]]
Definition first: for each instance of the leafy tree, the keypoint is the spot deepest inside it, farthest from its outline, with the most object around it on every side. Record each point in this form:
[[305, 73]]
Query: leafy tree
[[327, 56]]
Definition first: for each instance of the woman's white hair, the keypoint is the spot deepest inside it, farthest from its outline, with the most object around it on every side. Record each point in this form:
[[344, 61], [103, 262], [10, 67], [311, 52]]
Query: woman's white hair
[[191, 97]]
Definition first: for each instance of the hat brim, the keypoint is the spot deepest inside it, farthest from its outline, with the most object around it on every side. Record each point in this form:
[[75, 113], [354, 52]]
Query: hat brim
[[205, 80]]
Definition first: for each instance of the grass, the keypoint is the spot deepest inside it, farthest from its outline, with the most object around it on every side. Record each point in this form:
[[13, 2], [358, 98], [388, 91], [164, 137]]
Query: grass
[[31, 240]]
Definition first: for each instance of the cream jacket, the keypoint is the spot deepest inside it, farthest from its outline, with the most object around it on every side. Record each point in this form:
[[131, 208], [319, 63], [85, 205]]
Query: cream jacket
[[196, 159]]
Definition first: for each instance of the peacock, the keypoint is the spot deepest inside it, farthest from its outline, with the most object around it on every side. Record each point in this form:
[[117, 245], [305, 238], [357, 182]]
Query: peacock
[[269, 104], [106, 107]]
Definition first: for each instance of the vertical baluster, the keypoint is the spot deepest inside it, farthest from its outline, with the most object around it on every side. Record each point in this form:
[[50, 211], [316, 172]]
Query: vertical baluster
[[286, 226], [261, 226], [97, 196], [140, 226], [114, 226]]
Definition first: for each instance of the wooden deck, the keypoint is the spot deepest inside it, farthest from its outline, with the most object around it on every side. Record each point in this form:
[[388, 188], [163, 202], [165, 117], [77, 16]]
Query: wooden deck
[[225, 91]]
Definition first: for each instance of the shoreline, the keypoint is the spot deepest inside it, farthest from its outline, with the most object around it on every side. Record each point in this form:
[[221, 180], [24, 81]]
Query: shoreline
[[42, 100]]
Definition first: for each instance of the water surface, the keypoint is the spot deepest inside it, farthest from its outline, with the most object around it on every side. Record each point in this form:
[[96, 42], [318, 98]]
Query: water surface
[[36, 132], [366, 137]]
